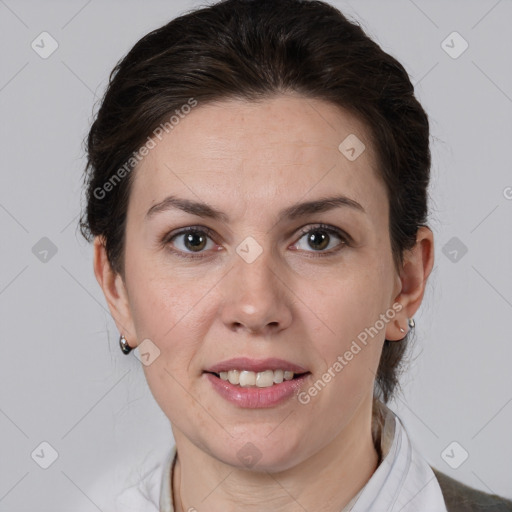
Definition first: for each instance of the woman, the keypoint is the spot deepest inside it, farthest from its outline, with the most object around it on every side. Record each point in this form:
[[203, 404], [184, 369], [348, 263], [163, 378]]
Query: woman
[[257, 194]]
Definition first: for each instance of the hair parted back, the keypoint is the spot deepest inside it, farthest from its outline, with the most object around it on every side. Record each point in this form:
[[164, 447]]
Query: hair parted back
[[252, 50]]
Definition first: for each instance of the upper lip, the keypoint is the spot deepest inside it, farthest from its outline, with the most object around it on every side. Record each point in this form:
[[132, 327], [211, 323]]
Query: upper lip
[[255, 365]]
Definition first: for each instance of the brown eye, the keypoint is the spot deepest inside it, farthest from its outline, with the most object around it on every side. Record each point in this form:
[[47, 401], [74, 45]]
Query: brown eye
[[320, 239], [195, 241], [191, 240]]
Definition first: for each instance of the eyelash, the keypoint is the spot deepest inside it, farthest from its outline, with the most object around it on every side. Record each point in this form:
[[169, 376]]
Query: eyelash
[[345, 239]]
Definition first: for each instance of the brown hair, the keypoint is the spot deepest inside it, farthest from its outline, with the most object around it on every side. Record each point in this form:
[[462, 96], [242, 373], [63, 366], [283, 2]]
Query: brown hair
[[251, 50]]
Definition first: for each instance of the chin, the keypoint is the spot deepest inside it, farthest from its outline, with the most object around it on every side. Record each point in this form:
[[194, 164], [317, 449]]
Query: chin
[[257, 453]]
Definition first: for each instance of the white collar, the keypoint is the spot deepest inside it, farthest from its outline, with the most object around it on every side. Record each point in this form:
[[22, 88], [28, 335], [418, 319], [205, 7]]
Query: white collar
[[403, 481]]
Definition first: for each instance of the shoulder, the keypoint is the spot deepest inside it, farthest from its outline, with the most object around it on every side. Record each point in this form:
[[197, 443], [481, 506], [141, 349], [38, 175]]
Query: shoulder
[[132, 485], [144, 492], [462, 498]]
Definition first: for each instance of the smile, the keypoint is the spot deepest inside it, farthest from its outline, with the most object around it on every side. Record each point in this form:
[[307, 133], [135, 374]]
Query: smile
[[264, 379]]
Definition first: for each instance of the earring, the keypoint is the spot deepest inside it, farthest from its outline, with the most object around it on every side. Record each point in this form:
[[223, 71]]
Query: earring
[[124, 345], [410, 323]]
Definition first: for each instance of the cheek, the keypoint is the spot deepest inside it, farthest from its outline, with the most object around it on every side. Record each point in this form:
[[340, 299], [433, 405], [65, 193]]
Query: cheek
[[164, 307], [349, 337], [349, 303], [167, 381], [170, 314]]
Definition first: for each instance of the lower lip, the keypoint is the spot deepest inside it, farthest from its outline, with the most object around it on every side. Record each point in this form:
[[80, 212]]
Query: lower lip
[[254, 397]]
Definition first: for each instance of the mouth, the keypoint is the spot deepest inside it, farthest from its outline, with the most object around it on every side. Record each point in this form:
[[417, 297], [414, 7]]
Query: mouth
[[264, 379], [252, 384], [263, 373]]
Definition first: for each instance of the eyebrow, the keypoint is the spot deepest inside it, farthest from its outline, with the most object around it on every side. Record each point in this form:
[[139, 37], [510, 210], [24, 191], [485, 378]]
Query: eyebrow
[[292, 212]]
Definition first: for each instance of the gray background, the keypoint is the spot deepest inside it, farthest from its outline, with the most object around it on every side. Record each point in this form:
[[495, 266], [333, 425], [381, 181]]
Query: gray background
[[63, 378]]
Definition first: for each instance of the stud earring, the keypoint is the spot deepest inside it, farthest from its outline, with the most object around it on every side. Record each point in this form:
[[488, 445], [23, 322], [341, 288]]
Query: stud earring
[[124, 345]]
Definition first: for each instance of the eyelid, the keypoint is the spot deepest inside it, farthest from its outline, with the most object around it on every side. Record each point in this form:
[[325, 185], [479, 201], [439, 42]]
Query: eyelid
[[188, 229], [325, 227]]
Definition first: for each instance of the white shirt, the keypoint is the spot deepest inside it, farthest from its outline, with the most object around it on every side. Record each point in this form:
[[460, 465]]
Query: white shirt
[[403, 481]]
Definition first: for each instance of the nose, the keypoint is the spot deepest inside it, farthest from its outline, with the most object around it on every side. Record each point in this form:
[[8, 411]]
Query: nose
[[256, 297]]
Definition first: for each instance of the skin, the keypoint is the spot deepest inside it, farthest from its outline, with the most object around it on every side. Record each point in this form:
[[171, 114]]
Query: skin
[[251, 160]]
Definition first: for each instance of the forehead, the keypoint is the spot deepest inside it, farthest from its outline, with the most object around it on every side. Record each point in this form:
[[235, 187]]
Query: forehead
[[254, 155]]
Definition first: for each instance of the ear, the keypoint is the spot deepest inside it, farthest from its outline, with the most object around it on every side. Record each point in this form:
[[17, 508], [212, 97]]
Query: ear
[[418, 263], [115, 292]]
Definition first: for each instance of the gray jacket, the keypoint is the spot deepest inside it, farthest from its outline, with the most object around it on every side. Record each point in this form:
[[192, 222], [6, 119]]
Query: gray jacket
[[461, 498]]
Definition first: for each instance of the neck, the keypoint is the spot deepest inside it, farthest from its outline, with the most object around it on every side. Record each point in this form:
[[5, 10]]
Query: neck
[[327, 480]]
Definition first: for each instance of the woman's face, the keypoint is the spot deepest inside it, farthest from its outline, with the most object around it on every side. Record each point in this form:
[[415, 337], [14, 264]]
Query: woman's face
[[260, 279]]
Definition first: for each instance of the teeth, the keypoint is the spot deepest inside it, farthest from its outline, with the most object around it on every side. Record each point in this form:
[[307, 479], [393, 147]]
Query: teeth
[[233, 376], [278, 376], [247, 378], [264, 379]]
